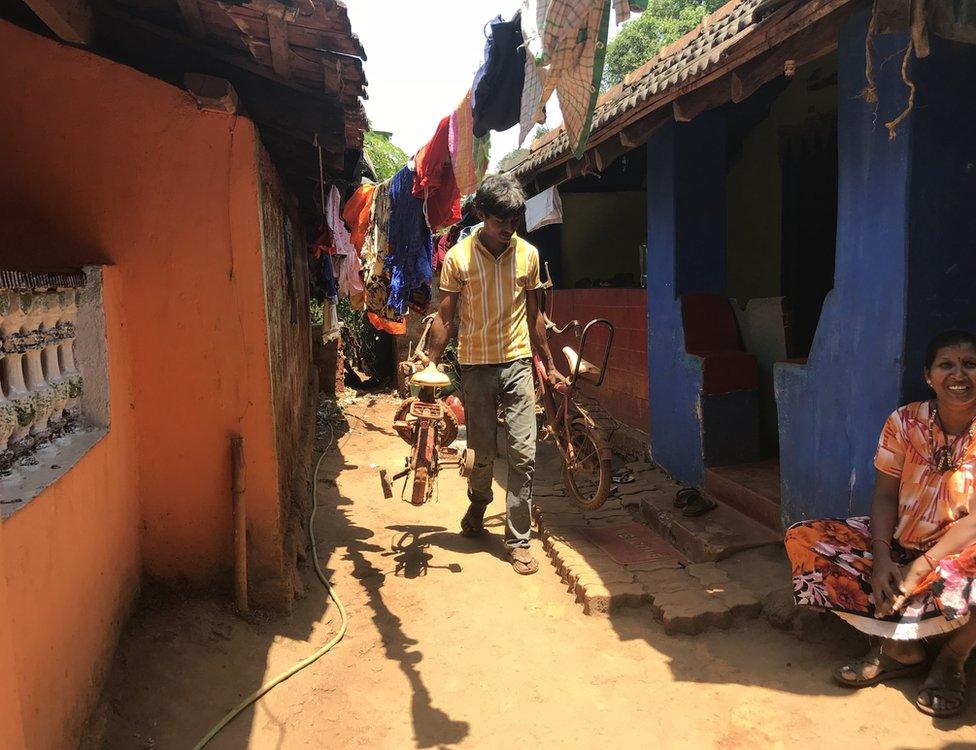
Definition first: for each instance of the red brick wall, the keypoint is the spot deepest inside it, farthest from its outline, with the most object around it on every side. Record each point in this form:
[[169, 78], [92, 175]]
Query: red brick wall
[[624, 392]]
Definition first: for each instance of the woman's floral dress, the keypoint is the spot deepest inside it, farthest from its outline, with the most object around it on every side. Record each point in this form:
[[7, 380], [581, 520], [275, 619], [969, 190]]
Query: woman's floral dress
[[831, 559]]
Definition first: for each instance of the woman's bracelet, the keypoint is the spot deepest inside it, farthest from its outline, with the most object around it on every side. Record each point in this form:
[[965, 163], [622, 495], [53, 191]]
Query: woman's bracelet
[[928, 560], [875, 540]]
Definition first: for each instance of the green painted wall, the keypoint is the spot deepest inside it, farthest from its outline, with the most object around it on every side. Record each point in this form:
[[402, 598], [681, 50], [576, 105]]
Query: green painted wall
[[602, 234]]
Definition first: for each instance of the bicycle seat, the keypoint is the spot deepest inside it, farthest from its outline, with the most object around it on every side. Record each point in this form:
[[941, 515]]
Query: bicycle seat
[[430, 377], [587, 370]]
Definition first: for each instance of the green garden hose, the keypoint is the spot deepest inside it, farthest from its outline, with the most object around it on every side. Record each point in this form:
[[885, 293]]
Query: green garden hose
[[257, 694]]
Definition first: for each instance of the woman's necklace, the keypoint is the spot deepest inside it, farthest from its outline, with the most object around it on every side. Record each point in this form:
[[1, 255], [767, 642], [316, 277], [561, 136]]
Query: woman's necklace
[[942, 456]]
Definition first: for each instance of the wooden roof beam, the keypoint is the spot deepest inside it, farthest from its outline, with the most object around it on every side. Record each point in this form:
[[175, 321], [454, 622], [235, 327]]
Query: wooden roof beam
[[278, 36], [72, 20], [686, 108], [805, 47]]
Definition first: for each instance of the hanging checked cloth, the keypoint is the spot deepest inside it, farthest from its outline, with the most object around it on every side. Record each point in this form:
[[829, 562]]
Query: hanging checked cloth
[[574, 40]]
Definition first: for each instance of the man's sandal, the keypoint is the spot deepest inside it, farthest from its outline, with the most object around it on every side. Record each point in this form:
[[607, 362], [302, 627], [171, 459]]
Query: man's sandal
[[889, 669], [523, 562], [948, 685], [471, 529]]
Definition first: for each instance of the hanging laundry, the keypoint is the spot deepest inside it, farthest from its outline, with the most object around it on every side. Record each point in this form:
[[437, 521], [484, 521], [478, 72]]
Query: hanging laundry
[[442, 244], [543, 209], [393, 327], [435, 182], [574, 40], [356, 214], [330, 321], [410, 245], [376, 247], [497, 89], [469, 155], [532, 107], [350, 283], [323, 277]]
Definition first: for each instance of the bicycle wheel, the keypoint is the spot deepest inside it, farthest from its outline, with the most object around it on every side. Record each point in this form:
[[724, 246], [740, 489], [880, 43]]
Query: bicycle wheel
[[587, 478]]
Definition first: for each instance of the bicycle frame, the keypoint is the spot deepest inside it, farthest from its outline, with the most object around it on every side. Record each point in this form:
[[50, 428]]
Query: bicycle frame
[[559, 418]]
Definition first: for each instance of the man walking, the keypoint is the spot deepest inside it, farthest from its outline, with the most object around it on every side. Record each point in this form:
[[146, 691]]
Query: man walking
[[491, 277]]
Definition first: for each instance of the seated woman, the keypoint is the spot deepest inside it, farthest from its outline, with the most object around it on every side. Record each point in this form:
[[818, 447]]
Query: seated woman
[[907, 572]]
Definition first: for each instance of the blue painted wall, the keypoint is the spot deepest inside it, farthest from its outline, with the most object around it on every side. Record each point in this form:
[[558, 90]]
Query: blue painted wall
[[685, 253], [942, 227], [832, 409]]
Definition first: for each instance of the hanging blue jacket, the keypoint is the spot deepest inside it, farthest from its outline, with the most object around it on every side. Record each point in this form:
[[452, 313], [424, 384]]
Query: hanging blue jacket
[[496, 99], [410, 245]]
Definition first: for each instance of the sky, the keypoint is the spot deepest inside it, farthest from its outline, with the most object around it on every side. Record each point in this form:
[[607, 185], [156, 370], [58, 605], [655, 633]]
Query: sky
[[421, 59]]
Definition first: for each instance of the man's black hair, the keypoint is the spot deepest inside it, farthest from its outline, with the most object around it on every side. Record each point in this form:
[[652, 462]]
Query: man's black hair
[[944, 339], [500, 196]]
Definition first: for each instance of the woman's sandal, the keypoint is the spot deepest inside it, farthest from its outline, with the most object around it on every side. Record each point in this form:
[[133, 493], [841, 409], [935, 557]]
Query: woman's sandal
[[889, 669], [949, 684]]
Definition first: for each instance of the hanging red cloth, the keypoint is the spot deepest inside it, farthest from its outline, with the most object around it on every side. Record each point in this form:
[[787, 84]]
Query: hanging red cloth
[[435, 180]]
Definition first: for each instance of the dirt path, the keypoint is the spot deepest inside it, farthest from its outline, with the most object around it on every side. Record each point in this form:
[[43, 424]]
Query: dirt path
[[447, 647]]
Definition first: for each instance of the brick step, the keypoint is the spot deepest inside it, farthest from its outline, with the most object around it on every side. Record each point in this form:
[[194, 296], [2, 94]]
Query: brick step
[[718, 534], [753, 490]]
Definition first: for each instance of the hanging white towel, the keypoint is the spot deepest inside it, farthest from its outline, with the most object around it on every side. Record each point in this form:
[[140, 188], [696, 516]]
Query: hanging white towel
[[543, 209], [350, 283]]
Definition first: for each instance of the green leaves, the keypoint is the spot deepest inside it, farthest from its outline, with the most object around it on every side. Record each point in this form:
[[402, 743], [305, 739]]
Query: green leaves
[[663, 22], [386, 158]]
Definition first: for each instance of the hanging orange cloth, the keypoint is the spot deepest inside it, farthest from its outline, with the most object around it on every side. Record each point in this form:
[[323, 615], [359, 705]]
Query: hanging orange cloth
[[357, 213], [395, 327]]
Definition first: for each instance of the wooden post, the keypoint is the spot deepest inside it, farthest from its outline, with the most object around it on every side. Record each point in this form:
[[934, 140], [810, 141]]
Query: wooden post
[[239, 482]]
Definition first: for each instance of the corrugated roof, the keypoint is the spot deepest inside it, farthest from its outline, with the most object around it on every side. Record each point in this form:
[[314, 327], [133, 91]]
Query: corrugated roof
[[690, 57]]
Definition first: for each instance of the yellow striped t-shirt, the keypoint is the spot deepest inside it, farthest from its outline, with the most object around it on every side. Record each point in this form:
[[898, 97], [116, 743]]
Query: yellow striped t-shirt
[[491, 290]]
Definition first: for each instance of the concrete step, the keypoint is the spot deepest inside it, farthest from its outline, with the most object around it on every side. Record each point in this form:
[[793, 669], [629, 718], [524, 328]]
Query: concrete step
[[718, 534], [752, 489]]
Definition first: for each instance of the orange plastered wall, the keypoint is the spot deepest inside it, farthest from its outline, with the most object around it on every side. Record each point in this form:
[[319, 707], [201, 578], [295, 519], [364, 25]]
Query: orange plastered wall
[[11, 721], [70, 561], [105, 165]]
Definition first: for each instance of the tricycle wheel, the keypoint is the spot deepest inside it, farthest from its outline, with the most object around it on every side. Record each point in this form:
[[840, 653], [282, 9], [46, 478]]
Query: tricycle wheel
[[587, 476], [421, 480]]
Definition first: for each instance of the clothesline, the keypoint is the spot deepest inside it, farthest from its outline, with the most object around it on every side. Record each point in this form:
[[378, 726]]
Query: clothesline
[[385, 256]]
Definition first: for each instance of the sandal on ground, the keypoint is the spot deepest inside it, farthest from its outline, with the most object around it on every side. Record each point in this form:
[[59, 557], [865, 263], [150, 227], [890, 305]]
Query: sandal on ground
[[523, 562], [472, 528], [697, 504], [622, 476], [946, 683], [889, 669], [682, 496]]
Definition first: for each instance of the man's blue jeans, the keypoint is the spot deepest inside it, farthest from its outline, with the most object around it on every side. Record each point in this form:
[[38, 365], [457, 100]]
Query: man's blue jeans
[[511, 384]]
